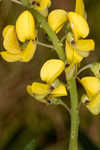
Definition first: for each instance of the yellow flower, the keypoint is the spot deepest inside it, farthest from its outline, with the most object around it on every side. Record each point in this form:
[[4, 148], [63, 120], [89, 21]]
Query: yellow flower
[[76, 46], [51, 70], [75, 52], [42, 6], [72, 55], [53, 87], [24, 30], [25, 27], [78, 22], [80, 7], [94, 105], [56, 19], [92, 87], [78, 25]]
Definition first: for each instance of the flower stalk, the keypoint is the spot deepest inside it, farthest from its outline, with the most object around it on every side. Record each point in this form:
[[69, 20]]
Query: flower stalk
[[73, 144], [58, 47]]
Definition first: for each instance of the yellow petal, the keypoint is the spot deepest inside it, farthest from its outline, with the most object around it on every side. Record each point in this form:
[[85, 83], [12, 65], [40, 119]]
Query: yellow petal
[[6, 29], [40, 88], [43, 6], [85, 45], [56, 19], [10, 57], [10, 42], [59, 91], [51, 70], [25, 26], [94, 105], [29, 51], [78, 24], [29, 90], [91, 85], [72, 55], [80, 8], [45, 3], [38, 97]]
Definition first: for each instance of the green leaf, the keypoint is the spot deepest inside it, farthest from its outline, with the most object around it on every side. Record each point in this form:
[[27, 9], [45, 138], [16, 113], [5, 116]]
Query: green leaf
[[30, 146]]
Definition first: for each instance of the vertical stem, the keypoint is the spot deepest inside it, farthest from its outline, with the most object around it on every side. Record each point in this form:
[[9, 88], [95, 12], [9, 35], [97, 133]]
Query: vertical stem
[[73, 144]]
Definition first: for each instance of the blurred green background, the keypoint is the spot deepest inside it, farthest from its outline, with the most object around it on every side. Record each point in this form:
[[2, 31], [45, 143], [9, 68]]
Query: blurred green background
[[24, 120]]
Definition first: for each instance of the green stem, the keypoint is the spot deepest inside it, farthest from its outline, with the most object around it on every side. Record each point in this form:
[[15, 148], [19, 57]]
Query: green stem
[[72, 83], [17, 2], [73, 144], [82, 69], [45, 45], [65, 106], [52, 35]]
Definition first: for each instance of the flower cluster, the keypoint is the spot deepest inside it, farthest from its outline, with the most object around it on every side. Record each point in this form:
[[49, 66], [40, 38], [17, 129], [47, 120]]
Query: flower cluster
[[92, 87], [19, 40], [77, 29], [44, 92], [20, 45]]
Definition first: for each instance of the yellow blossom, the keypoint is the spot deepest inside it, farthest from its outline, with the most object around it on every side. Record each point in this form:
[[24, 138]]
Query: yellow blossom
[[72, 55], [42, 6], [80, 7], [92, 87], [77, 51], [56, 19], [49, 72], [25, 27], [24, 30], [76, 46], [94, 105], [78, 25]]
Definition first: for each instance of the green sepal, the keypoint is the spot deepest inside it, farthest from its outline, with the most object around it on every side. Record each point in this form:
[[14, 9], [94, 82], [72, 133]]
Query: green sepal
[[56, 83], [84, 99], [95, 68]]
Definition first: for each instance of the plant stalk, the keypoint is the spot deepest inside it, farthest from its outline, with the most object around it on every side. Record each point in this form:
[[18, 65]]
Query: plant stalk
[[73, 144]]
